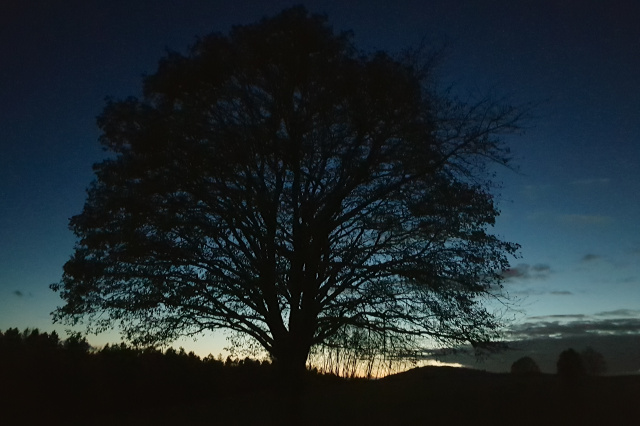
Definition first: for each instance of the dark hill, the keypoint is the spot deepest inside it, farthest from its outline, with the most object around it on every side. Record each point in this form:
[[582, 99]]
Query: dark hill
[[420, 373]]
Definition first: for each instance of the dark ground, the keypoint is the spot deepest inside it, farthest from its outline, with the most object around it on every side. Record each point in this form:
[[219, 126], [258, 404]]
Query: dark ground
[[249, 396], [459, 399]]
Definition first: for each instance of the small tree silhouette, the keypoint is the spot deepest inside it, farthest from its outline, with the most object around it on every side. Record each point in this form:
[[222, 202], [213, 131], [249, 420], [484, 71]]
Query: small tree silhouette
[[525, 365], [570, 366], [593, 361], [76, 343]]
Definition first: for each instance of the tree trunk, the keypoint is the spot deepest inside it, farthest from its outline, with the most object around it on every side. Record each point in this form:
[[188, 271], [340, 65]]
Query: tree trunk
[[291, 361]]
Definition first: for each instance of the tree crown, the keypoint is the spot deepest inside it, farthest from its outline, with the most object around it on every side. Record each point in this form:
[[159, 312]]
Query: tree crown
[[278, 183]]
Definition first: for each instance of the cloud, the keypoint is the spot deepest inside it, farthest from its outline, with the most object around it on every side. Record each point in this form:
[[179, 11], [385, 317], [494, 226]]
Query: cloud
[[590, 257], [581, 327], [585, 219], [539, 216], [573, 219], [620, 313], [589, 182], [534, 192], [615, 334], [528, 292], [525, 271], [531, 291], [541, 268], [20, 293], [620, 353], [559, 316]]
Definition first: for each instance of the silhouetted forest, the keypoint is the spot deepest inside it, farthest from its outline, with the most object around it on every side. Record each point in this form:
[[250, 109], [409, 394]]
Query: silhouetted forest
[[44, 377], [47, 380]]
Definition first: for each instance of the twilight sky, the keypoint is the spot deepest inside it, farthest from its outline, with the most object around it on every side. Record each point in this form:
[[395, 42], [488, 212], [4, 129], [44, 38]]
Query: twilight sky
[[573, 206]]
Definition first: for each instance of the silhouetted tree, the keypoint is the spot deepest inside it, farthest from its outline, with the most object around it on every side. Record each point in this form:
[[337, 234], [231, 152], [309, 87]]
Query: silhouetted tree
[[278, 183], [525, 365], [593, 361], [76, 343], [570, 366], [30, 339], [11, 338], [45, 342]]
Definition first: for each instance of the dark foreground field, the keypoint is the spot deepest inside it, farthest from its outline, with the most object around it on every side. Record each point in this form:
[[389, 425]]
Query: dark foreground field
[[427, 399], [429, 396]]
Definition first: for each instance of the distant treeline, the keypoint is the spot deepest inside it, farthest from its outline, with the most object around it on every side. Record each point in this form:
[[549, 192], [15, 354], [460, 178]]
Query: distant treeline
[[45, 380], [42, 370], [32, 341]]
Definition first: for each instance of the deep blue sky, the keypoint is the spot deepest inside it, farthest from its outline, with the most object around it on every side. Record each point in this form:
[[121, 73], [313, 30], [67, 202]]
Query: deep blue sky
[[574, 206]]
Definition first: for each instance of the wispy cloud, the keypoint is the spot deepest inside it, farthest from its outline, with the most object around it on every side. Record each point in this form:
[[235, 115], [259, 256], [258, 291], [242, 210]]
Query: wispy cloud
[[592, 181], [525, 271], [590, 257], [534, 192], [559, 316], [584, 219], [536, 290], [620, 313], [561, 293], [573, 219], [620, 321], [577, 328], [615, 334], [619, 350], [526, 292]]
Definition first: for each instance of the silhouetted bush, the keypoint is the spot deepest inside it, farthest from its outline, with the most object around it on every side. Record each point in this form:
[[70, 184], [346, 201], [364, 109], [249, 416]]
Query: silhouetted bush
[[525, 365], [570, 366]]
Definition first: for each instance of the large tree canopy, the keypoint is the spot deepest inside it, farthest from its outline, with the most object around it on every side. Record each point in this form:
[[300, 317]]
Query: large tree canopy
[[278, 183]]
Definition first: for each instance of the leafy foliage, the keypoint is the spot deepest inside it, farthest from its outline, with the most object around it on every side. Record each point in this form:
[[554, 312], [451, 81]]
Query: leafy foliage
[[277, 183]]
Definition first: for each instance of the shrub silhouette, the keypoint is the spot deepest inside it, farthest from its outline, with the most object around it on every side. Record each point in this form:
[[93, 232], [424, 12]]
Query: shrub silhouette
[[570, 365], [593, 361], [525, 365]]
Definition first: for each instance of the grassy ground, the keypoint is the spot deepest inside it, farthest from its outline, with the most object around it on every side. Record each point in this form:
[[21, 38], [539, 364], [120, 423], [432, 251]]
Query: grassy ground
[[425, 396]]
